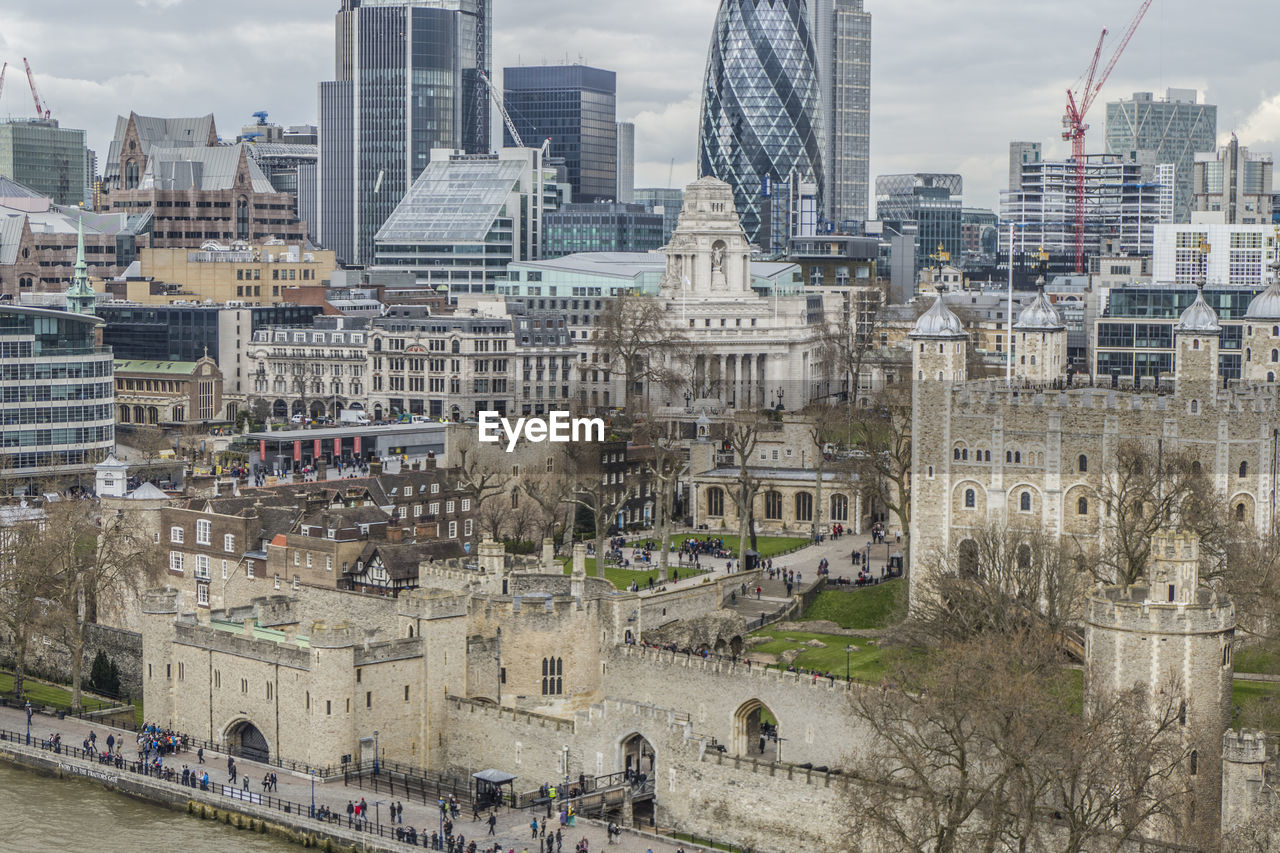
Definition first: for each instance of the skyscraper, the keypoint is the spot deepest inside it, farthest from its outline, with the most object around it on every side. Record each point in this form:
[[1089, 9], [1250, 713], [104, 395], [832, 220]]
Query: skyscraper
[[1169, 130], [931, 200], [626, 162], [842, 31], [575, 107], [408, 80], [1233, 186], [761, 115], [49, 159], [1021, 153]]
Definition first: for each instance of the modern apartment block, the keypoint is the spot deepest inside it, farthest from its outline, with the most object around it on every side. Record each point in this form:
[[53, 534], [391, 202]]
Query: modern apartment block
[[575, 106], [601, 227], [49, 159], [1232, 186], [1020, 154], [842, 30], [1124, 201], [1237, 256], [664, 200], [409, 79], [1172, 129]]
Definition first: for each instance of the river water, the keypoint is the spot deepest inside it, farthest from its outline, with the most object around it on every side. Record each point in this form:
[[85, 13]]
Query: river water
[[44, 814]]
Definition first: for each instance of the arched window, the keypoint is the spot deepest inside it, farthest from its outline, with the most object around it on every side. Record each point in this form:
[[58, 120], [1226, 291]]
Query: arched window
[[515, 498], [1017, 457], [124, 414], [1083, 464], [1275, 331], [552, 676], [1248, 354], [1275, 355], [1024, 502], [1082, 506], [986, 455], [955, 454], [970, 499], [1195, 343], [1240, 512], [242, 218], [1008, 456], [131, 175], [1195, 406], [1244, 470], [456, 348], [773, 505], [1195, 761], [839, 508], [1271, 377], [964, 454], [804, 506], [715, 501]]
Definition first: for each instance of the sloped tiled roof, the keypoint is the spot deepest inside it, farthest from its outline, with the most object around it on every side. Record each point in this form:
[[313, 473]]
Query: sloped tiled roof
[[157, 132], [9, 188], [201, 169]]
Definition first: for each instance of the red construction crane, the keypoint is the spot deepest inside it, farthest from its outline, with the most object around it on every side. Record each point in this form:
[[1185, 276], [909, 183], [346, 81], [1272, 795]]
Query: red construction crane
[[1078, 103], [42, 111]]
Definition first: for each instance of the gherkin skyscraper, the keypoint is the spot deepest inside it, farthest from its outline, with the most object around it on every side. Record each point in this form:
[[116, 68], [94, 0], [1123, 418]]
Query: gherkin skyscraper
[[760, 118]]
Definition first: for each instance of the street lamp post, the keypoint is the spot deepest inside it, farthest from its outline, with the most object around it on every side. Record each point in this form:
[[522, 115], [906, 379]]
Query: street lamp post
[[29, 712], [375, 752], [848, 650], [313, 793], [377, 814]]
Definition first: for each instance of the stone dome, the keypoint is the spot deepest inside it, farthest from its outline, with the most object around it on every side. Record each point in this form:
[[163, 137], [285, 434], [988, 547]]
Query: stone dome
[[1040, 315], [1266, 305], [1198, 317], [938, 322]]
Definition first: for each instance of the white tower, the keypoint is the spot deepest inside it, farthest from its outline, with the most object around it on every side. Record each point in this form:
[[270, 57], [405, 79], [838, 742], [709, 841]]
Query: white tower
[[1195, 345], [111, 477], [1041, 339], [1262, 332]]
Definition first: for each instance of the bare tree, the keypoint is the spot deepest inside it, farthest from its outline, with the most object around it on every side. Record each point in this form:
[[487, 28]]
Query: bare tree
[[665, 463], [846, 342], [881, 466], [25, 582], [591, 490], [98, 563], [744, 434], [551, 489], [636, 336], [1148, 488], [478, 472]]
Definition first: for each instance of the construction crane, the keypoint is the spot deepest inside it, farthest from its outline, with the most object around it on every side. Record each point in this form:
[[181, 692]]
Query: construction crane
[[1078, 103], [502, 110], [3, 68], [42, 111]]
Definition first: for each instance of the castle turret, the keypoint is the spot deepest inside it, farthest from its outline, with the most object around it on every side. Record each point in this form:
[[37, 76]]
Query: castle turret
[[1244, 758], [159, 611], [1041, 341], [939, 349], [1195, 344], [1171, 637], [1262, 332]]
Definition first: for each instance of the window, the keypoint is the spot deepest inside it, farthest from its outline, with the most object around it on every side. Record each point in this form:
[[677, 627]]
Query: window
[[466, 527], [1244, 470], [176, 534], [715, 501], [248, 569], [839, 508], [435, 488], [970, 499], [773, 506], [1083, 464], [203, 527], [552, 676], [368, 698], [433, 508], [1024, 502], [202, 566], [277, 582], [453, 530], [466, 504], [297, 558], [175, 561], [224, 569], [328, 562], [1082, 506], [448, 506], [229, 543], [202, 599], [804, 506]]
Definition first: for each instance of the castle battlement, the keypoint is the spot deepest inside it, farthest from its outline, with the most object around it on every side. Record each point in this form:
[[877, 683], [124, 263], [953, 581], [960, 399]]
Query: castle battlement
[[405, 648], [1136, 608], [342, 636], [737, 670], [239, 645], [432, 604], [1244, 747], [160, 601], [1151, 395], [790, 772], [496, 712], [627, 707]]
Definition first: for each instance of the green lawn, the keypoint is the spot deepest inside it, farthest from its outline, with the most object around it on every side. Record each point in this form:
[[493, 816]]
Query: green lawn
[[866, 664], [622, 578], [40, 693], [1257, 660], [870, 607], [1258, 704]]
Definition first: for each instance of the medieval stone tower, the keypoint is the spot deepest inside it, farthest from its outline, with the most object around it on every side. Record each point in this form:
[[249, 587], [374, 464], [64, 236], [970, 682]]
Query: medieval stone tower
[[1041, 341], [1195, 345], [939, 347], [1173, 638], [1262, 333]]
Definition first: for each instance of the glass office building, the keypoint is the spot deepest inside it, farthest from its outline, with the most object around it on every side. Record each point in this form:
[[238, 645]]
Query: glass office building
[[1171, 129], [932, 201], [408, 81], [575, 107], [761, 114], [49, 159], [601, 227], [843, 34], [668, 201], [57, 394]]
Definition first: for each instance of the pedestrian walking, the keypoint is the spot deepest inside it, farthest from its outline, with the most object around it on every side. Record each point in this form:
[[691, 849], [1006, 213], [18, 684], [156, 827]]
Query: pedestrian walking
[[533, 825], [351, 810], [493, 821]]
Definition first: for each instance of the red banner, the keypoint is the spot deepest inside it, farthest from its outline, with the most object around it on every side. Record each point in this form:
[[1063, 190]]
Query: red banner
[[262, 450], [318, 452], [337, 448], [297, 451], [357, 446]]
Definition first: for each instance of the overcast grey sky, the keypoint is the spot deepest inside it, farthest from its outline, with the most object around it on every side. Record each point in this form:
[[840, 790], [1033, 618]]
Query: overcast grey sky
[[952, 82]]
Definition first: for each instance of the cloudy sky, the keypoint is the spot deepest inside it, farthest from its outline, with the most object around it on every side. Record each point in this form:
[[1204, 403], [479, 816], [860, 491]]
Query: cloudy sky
[[952, 82]]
